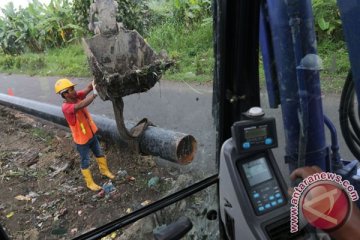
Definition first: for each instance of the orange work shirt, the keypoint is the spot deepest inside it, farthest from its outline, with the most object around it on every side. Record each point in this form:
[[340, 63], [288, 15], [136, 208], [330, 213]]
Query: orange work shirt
[[80, 122]]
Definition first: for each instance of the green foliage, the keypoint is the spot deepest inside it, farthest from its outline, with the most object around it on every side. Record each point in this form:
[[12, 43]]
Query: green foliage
[[80, 10], [160, 11], [336, 65], [7, 61], [66, 61], [134, 14], [191, 11], [30, 62], [327, 19], [183, 12], [12, 30], [37, 27], [183, 28], [192, 48], [334, 56], [41, 135]]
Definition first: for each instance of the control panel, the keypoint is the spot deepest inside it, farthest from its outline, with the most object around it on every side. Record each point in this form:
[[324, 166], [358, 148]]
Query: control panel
[[254, 135], [252, 192], [261, 184]]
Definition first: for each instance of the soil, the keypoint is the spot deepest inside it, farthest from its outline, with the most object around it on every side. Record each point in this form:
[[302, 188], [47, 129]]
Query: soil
[[42, 192]]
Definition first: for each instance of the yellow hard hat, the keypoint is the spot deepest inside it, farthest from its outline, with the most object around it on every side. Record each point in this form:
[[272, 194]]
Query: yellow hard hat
[[62, 84]]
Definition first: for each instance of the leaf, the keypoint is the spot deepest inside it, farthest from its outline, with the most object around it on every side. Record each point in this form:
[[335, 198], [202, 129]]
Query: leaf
[[324, 25], [195, 7], [73, 26], [190, 15], [330, 30], [207, 21]]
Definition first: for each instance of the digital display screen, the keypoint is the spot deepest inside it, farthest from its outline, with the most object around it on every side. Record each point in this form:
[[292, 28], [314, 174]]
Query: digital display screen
[[255, 132], [257, 171]]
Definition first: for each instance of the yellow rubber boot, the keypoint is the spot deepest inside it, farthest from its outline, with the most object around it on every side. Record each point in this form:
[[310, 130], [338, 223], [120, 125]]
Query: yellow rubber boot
[[104, 170], [89, 180]]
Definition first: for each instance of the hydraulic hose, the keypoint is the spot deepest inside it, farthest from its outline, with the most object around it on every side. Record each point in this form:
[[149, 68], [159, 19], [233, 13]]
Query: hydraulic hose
[[349, 122]]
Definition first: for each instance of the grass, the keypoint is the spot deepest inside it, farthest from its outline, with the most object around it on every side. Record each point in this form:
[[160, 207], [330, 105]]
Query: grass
[[335, 65], [41, 134], [192, 48], [67, 61]]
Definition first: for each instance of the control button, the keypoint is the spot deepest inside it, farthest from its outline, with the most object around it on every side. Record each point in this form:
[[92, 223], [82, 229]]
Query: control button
[[256, 195], [268, 141], [277, 195], [246, 145], [280, 200], [273, 203], [261, 209], [255, 112], [271, 197], [267, 206]]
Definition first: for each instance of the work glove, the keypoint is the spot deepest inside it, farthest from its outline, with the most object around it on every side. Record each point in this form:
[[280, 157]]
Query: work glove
[[94, 88]]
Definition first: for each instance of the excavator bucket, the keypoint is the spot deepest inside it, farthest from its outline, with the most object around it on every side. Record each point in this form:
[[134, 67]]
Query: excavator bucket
[[123, 64]]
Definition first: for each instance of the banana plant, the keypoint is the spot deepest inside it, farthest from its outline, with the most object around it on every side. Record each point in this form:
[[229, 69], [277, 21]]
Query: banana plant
[[38, 27]]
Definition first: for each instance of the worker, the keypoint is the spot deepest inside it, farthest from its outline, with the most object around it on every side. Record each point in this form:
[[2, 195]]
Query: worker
[[350, 229], [82, 127]]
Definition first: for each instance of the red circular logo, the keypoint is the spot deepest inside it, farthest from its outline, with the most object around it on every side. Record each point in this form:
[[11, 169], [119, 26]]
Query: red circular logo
[[325, 205]]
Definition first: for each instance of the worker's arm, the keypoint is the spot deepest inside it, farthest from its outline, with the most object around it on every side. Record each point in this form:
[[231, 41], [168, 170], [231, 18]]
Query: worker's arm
[[88, 88], [351, 228], [84, 103], [304, 172]]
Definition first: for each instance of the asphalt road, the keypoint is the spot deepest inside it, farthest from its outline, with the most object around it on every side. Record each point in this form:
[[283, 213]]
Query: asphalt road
[[171, 105]]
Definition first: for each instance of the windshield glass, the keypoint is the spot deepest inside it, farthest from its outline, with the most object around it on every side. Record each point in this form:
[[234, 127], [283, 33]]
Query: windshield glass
[[52, 186]]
